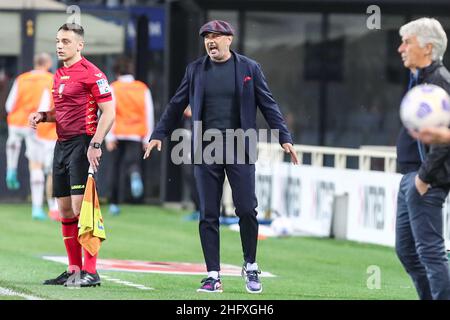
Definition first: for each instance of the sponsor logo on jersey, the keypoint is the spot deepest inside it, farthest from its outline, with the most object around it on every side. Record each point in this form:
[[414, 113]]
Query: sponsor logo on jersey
[[77, 186], [61, 89], [103, 86]]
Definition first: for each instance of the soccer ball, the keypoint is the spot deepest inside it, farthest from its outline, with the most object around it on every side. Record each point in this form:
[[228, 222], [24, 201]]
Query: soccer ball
[[425, 105], [282, 227]]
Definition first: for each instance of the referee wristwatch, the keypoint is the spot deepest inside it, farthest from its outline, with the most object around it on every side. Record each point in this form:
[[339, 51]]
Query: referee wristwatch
[[95, 145]]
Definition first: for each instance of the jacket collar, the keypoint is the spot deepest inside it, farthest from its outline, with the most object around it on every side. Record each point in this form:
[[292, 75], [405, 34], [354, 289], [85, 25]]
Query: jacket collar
[[425, 72], [126, 78]]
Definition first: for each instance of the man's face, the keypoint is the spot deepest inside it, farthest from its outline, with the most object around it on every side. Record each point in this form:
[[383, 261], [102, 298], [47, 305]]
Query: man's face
[[68, 44], [412, 54], [218, 46]]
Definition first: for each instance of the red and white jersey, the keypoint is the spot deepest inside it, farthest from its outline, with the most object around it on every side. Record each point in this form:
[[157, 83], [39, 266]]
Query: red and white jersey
[[77, 90]]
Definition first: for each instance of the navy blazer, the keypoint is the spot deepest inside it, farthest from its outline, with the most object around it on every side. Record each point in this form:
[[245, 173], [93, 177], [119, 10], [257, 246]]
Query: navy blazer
[[252, 92]]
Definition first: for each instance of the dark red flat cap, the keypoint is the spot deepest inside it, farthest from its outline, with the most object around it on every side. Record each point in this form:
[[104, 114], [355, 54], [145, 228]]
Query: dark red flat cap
[[216, 26]]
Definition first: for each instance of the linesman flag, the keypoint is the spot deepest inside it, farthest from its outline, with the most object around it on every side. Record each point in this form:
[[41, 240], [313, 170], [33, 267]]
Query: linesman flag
[[91, 230]]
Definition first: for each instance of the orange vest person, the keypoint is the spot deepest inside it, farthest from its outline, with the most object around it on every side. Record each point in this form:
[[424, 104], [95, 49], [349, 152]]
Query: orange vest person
[[25, 97], [46, 140], [130, 132]]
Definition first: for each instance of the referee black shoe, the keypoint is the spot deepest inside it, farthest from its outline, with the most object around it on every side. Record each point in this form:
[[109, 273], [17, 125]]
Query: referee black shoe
[[86, 279], [59, 280]]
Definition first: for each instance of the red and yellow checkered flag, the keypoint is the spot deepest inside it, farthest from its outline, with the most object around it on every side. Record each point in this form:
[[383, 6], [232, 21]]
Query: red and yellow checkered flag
[[91, 230]]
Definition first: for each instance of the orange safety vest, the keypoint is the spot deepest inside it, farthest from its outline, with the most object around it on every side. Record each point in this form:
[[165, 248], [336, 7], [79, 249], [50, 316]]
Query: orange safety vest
[[30, 86], [131, 116], [47, 131]]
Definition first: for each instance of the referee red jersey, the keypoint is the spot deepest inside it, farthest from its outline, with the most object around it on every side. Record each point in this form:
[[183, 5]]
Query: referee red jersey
[[77, 90]]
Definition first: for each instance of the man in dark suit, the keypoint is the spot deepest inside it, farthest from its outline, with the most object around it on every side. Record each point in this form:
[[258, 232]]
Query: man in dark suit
[[224, 90]]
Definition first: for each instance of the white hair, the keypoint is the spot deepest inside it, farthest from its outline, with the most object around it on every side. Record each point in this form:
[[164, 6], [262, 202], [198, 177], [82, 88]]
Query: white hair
[[427, 30]]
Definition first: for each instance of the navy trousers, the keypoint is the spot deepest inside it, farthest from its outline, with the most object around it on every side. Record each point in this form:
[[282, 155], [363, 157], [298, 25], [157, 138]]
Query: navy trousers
[[419, 241], [209, 179]]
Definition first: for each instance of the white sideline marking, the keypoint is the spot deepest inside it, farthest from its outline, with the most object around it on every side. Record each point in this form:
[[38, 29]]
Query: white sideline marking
[[126, 283], [9, 292]]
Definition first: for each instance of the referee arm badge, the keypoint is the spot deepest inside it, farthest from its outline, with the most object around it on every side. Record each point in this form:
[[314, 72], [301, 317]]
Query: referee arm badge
[[103, 86]]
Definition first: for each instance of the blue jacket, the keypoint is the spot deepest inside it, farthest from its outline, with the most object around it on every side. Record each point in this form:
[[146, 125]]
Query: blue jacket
[[435, 168], [252, 91]]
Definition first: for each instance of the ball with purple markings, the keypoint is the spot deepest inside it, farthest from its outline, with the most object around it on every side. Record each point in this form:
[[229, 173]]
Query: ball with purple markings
[[425, 105]]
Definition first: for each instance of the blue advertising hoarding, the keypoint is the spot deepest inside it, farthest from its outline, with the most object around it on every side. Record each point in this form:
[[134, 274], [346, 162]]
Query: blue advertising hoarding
[[156, 26]]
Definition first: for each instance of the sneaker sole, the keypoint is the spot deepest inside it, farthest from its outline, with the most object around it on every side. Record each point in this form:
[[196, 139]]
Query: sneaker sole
[[91, 285], [250, 291], [209, 291], [83, 286]]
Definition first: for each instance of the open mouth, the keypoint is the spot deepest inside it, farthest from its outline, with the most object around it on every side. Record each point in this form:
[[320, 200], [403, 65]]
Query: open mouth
[[213, 49]]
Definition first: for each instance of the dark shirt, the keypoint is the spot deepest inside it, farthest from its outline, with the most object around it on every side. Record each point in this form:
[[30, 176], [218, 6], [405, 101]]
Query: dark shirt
[[220, 106], [408, 156]]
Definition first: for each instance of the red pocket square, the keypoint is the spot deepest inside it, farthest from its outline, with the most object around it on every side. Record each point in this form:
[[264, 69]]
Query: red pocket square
[[247, 79]]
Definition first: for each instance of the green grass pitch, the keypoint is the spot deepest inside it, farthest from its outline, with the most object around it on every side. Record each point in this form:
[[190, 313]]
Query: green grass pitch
[[305, 268]]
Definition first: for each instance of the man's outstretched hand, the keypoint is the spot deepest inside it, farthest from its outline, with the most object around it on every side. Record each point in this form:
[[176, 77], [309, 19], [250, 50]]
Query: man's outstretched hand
[[150, 146], [289, 148]]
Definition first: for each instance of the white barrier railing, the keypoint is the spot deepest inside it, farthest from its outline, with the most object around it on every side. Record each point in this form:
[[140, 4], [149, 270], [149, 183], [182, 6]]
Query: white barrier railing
[[273, 153]]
